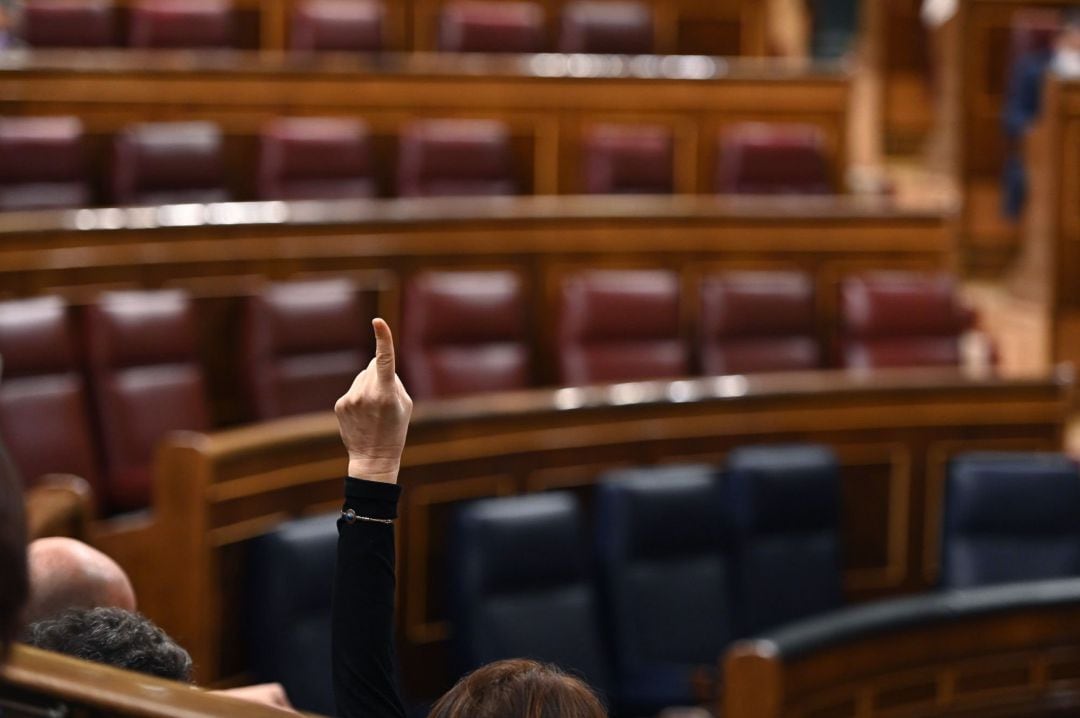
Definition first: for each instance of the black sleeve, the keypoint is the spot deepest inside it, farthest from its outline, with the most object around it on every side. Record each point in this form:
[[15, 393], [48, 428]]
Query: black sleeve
[[365, 685]]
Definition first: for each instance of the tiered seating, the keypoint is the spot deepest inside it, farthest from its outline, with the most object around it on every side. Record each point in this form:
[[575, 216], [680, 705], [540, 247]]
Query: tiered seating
[[466, 332], [440, 158], [492, 26], [303, 344], [523, 588], [181, 24], [44, 163], [315, 158], [169, 162], [337, 25], [900, 319], [609, 26], [757, 322], [68, 23], [44, 418], [662, 544], [146, 381], [757, 158], [628, 159], [620, 326], [1010, 517]]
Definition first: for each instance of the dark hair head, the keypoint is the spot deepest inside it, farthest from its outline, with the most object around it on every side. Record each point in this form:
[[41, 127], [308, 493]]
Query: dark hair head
[[114, 637], [519, 688], [14, 582], [1071, 19]]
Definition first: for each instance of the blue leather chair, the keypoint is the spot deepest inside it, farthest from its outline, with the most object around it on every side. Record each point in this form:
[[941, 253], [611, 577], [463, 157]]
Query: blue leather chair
[[661, 542], [290, 580], [785, 506], [1010, 517], [521, 587]]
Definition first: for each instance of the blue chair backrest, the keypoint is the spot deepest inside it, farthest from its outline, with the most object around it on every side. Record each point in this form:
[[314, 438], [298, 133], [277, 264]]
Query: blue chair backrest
[[1010, 517], [661, 543], [785, 506]]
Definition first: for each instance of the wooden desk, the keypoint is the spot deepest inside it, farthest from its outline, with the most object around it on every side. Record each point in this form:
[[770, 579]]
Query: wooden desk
[[1046, 276], [220, 251], [1011, 650], [893, 432], [548, 101], [979, 51]]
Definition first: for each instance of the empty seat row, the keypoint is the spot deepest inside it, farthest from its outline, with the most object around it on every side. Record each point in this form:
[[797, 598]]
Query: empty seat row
[[43, 161], [609, 26], [683, 560], [111, 380]]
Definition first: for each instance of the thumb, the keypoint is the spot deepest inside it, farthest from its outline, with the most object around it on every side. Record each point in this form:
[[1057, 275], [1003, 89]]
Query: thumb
[[384, 351]]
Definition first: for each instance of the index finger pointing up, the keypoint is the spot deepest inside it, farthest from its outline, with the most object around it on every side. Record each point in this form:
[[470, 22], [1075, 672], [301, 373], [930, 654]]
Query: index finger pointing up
[[384, 351]]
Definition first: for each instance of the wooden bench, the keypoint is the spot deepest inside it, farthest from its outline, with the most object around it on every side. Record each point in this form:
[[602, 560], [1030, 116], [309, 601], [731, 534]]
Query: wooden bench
[[1010, 650], [893, 431], [548, 101]]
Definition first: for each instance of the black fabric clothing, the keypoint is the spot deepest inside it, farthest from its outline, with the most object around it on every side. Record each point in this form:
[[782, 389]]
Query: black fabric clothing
[[365, 684]]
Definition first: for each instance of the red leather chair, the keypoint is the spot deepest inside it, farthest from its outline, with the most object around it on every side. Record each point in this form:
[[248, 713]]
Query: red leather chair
[[492, 26], [620, 326], [68, 23], [607, 27], [757, 158], [169, 163], [440, 158], [628, 159], [146, 381], [464, 332], [758, 322], [901, 320], [304, 343], [42, 163], [181, 24], [315, 158], [337, 25], [44, 420]]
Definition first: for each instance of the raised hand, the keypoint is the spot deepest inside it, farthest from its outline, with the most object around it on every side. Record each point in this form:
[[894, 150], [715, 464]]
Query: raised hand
[[373, 415]]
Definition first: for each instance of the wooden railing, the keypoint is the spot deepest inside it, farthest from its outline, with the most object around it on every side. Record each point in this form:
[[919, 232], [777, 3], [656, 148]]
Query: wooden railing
[[893, 432]]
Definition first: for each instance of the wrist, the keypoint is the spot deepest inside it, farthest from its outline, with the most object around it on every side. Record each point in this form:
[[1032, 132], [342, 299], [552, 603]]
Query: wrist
[[374, 470]]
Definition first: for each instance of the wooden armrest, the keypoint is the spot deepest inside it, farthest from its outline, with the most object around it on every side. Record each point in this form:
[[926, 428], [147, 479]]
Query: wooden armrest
[[59, 505]]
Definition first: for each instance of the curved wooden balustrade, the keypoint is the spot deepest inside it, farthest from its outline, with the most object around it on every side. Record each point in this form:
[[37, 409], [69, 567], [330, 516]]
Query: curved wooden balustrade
[[37, 683], [894, 433], [547, 101], [1010, 650]]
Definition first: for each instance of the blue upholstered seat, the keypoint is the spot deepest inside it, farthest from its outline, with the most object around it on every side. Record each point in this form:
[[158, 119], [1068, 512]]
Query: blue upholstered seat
[[661, 541], [288, 610], [1010, 517], [785, 506], [521, 586]]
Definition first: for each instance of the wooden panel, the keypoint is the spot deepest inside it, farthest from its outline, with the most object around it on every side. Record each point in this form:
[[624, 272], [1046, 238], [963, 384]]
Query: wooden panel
[[543, 100], [236, 484]]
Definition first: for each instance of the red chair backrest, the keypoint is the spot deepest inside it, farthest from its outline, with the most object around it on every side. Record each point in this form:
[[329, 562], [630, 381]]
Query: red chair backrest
[[607, 27], [168, 163], [628, 159], [337, 25], [759, 158], [42, 163], [315, 158], [455, 157], [492, 26]]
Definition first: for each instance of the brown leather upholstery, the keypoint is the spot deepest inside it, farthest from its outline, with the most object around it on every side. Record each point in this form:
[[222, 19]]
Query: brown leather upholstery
[[440, 158], [68, 23], [492, 26], [304, 342], [899, 319], [146, 380], [464, 332], [758, 322], [759, 158], [628, 159], [44, 419], [607, 26], [42, 163], [169, 162], [315, 158], [337, 25], [181, 24], [620, 326]]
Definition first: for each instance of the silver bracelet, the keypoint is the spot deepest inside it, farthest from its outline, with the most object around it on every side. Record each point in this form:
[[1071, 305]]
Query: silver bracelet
[[352, 517]]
